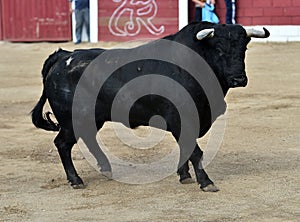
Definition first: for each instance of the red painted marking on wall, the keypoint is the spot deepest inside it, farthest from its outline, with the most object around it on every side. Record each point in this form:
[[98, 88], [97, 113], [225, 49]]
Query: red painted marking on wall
[[128, 20]]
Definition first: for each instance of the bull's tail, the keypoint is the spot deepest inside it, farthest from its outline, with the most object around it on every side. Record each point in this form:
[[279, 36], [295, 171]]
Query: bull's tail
[[40, 119]]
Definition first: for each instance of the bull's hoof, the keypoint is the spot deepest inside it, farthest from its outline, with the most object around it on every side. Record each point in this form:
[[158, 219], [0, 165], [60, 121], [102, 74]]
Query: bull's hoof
[[78, 186], [76, 182], [185, 178], [188, 180], [107, 174], [210, 188]]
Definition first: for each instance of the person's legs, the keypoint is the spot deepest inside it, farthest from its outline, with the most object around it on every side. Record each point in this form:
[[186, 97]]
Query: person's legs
[[86, 16], [228, 11], [198, 14], [79, 24]]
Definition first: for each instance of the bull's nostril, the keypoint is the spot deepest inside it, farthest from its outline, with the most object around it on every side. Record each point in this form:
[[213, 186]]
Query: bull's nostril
[[239, 81]]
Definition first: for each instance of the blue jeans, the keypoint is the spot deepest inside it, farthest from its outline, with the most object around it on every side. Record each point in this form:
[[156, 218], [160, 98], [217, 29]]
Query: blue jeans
[[82, 18], [198, 14], [230, 11]]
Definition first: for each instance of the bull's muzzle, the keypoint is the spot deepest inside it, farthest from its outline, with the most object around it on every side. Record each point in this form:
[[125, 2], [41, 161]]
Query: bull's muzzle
[[238, 81]]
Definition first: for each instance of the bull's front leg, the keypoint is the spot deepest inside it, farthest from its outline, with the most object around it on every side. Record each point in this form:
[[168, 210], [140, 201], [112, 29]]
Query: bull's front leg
[[185, 155], [202, 178]]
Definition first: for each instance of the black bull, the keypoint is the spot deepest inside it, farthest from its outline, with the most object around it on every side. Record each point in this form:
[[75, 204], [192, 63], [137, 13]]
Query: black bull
[[221, 46]]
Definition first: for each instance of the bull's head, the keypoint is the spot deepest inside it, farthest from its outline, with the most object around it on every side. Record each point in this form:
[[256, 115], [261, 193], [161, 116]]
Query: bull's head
[[224, 49]]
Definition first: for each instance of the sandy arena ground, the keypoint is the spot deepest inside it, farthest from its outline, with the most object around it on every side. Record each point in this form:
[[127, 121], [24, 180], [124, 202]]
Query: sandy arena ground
[[257, 168]]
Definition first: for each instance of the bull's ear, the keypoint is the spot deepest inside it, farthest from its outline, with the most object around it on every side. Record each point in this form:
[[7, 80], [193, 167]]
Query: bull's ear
[[256, 33], [205, 33]]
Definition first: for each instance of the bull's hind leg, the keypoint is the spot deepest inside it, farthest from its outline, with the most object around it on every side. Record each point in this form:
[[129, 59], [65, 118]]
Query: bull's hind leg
[[202, 178], [102, 161], [64, 142], [89, 138]]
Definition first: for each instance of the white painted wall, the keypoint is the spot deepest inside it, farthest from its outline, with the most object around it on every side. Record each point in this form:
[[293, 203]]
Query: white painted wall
[[94, 21], [183, 13]]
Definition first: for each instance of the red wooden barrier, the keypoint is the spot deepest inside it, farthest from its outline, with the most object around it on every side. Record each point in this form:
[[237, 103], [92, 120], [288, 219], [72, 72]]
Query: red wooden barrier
[[1, 36], [36, 20], [259, 12], [123, 20], [263, 12]]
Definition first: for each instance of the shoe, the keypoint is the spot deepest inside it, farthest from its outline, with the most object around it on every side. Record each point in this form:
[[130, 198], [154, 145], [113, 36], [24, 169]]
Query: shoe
[[78, 42]]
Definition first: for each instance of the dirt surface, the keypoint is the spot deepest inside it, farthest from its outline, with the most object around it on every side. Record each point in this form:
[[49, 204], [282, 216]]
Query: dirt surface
[[257, 168]]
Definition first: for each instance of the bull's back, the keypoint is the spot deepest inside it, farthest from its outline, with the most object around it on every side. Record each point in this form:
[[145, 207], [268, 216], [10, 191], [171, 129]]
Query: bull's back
[[62, 78]]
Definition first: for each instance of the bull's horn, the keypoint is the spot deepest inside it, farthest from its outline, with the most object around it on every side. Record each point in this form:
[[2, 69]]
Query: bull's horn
[[258, 33], [205, 33]]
